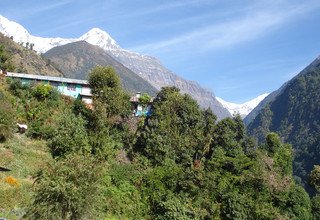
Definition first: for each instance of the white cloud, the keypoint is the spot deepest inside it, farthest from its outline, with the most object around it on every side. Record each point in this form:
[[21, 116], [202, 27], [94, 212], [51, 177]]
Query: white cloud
[[255, 22]]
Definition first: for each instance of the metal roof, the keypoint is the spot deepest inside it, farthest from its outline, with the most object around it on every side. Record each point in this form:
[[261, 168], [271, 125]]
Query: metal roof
[[47, 78]]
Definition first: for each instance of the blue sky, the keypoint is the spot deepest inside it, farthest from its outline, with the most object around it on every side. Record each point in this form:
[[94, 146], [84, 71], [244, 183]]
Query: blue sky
[[239, 49]]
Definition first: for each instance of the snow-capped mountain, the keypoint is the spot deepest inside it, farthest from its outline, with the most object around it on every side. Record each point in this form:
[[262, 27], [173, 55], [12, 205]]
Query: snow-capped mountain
[[20, 35], [243, 109], [147, 67]]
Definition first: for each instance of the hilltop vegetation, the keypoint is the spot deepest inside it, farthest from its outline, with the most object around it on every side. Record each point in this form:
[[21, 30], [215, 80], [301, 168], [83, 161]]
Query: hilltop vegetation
[[25, 60], [180, 163]]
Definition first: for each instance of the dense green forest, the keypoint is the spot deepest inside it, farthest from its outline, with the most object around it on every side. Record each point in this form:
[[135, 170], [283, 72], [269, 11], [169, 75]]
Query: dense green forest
[[76, 162], [295, 115], [179, 163]]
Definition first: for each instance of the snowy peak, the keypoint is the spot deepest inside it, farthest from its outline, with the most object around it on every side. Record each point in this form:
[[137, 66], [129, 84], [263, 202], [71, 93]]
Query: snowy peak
[[243, 109], [95, 36], [100, 38], [10, 28]]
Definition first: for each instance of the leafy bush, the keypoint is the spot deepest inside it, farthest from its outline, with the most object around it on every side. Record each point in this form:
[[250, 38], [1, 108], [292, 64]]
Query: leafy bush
[[69, 136], [145, 99], [109, 99], [122, 197], [68, 189], [17, 88], [42, 91], [7, 116]]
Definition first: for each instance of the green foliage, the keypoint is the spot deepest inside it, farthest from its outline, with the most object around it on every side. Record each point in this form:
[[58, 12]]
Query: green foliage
[[5, 60], [7, 116], [69, 135], [294, 115], [178, 163], [236, 206], [194, 157], [109, 98], [174, 130], [42, 91], [23, 156], [229, 134], [298, 204], [122, 197], [315, 177], [281, 153], [145, 99], [17, 88], [315, 203], [273, 143], [68, 189]]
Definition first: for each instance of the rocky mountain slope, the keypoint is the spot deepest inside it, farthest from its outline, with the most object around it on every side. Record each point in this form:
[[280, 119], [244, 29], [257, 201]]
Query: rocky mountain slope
[[242, 109], [76, 59], [26, 60], [294, 113], [146, 67], [150, 69]]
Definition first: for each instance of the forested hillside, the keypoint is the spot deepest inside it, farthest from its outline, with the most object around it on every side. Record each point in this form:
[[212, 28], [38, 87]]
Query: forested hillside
[[23, 59], [97, 163], [295, 115]]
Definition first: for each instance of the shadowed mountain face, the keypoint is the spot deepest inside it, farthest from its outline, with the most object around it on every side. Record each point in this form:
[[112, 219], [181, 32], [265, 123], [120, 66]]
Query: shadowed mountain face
[[294, 113], [76, 60]]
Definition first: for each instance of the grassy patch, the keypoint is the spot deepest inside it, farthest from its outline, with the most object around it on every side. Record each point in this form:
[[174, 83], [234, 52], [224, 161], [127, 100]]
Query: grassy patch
[[23, 156]]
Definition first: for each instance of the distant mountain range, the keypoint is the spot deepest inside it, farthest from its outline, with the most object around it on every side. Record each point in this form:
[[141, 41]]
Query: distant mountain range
[[147, 67], [242, 109]]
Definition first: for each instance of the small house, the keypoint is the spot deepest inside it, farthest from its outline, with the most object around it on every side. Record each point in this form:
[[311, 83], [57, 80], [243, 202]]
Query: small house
[[66, 86], [138, 108]]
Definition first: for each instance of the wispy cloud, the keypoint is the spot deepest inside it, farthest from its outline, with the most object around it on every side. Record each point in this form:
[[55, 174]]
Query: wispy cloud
[[32, 9], [172, 5], [47, 7], [254, 23]]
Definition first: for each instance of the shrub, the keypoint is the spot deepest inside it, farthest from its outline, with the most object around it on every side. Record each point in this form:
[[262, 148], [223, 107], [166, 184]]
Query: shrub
[[69, 135], [42, 91], [68, 189], [6, 119]]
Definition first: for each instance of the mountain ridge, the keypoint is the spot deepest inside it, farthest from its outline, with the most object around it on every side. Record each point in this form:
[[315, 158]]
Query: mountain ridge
[[293, 113], [76, 59]]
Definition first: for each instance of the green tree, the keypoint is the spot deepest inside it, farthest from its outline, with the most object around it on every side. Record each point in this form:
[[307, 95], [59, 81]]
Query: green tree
[[69, 136], [273, 142], [145, 99], [42, 91], [5, 60], [315, 202], [298, 204], [174, 130], [109, 99], [315, 177], [229, 134], [7, 116], [68, 189]]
